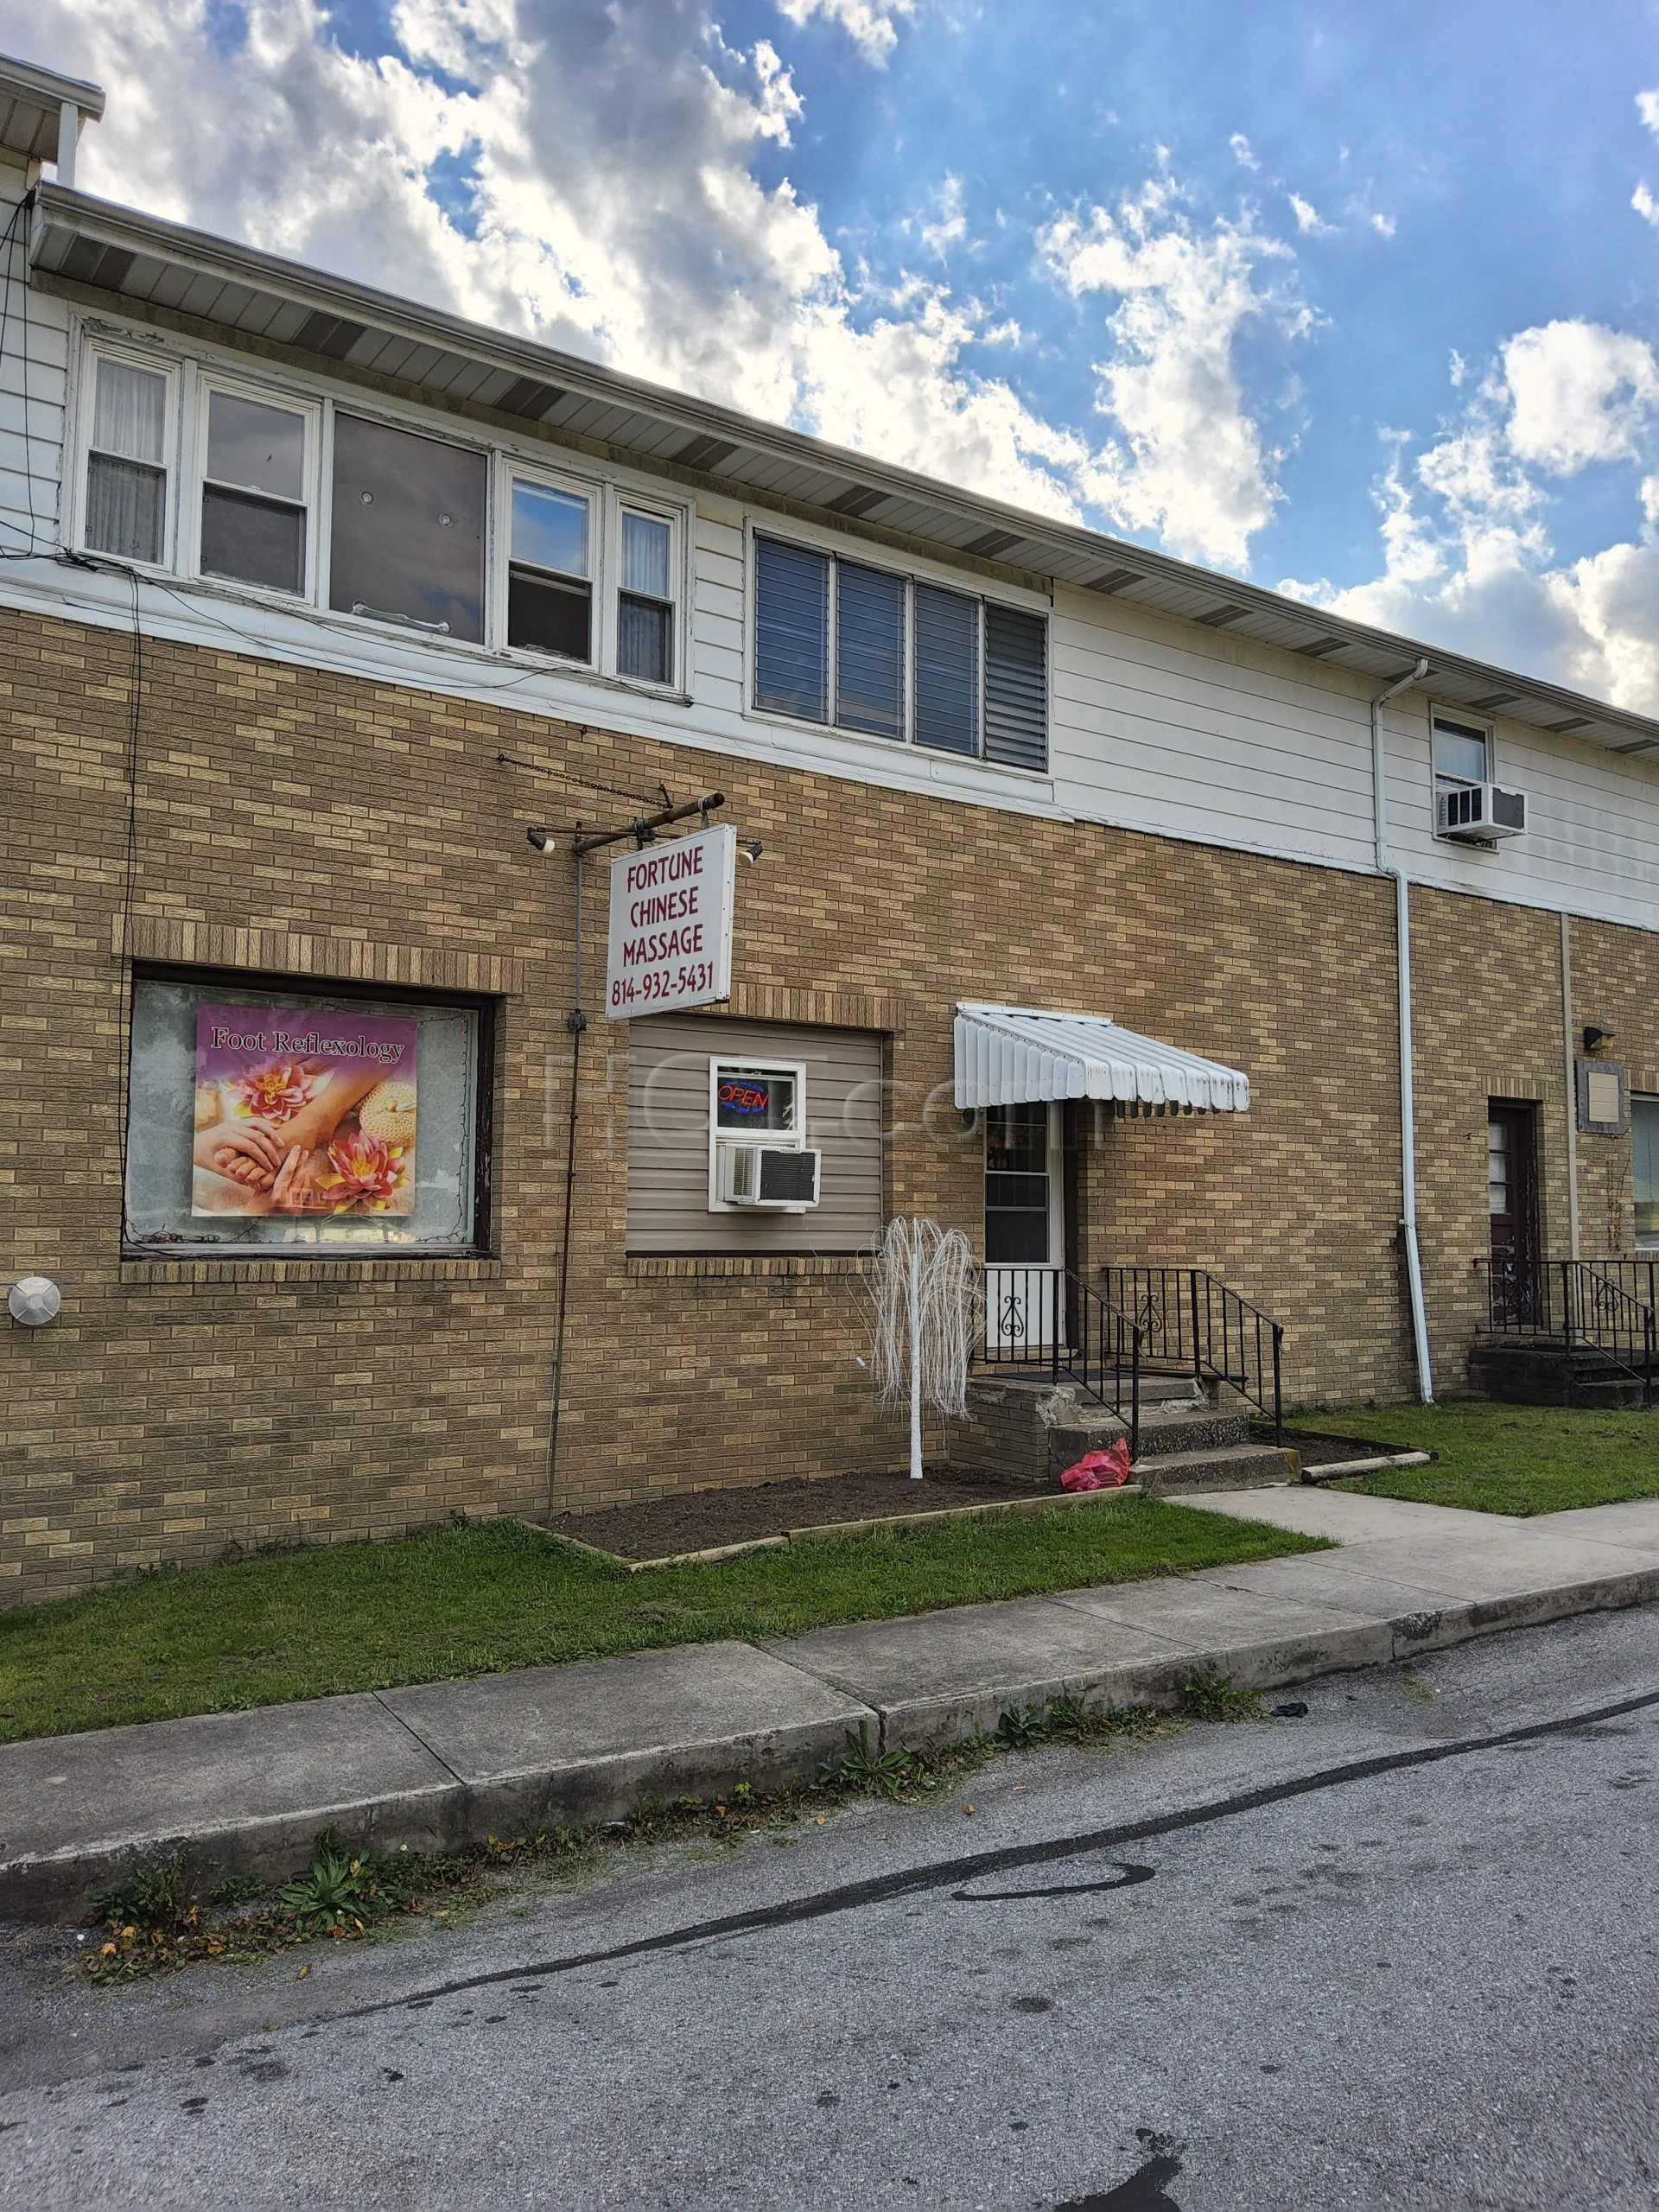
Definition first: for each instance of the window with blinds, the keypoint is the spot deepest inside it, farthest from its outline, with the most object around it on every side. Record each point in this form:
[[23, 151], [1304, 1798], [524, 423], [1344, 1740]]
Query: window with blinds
[[861, 648]]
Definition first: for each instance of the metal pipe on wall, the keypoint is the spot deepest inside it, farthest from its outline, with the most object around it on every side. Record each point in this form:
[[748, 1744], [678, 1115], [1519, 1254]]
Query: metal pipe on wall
[[1570, 1046], [1407, 1086]]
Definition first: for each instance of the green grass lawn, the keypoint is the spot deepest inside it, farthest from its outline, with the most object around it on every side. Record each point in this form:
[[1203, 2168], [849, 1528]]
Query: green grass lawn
[[1494, 1459], [477, 1600]]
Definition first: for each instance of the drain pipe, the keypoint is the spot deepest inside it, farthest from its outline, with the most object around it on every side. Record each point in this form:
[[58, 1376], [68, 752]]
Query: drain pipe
[[1407, 1099]]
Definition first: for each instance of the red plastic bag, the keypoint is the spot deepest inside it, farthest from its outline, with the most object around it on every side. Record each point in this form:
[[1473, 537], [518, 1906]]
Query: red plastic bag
[[1107, 1470]]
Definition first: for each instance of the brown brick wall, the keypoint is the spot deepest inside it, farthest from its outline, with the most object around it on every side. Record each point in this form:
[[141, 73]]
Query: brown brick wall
[[327, 826]]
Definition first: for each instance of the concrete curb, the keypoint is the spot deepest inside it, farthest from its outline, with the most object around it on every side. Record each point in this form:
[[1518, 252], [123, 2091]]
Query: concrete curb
[[444, 1765]]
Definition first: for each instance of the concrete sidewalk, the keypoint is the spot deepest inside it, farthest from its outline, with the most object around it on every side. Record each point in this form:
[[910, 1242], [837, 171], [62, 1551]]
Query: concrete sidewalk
[[446, 1763]]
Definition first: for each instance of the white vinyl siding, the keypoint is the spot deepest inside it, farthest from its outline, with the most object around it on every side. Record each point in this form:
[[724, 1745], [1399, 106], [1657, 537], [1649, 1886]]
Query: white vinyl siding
[[669, 1059]]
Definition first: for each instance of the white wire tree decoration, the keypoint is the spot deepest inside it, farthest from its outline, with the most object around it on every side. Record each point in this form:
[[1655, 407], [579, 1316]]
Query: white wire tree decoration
[[925, 1288]]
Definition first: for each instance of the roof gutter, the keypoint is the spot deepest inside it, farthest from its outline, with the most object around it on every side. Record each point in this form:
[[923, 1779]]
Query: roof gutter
[[1385, 866]]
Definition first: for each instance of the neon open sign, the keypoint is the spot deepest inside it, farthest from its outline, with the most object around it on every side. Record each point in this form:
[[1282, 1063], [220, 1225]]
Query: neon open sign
[[747, 1097]]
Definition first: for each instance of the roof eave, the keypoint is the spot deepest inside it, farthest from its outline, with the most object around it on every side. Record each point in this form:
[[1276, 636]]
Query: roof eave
[[1064, 550]]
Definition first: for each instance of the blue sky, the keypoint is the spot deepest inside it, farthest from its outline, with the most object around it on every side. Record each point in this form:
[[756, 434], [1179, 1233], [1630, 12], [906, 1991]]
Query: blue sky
[[1357, 302]]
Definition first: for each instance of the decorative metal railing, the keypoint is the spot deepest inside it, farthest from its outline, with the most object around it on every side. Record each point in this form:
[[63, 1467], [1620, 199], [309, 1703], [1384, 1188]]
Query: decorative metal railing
[[1048, 1321], [1196, 1325], [1604, 1306]]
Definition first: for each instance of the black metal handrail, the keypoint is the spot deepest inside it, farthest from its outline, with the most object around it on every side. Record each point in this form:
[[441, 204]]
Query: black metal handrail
[[1199, 1326], [1048, 1321], [1595, 1304]]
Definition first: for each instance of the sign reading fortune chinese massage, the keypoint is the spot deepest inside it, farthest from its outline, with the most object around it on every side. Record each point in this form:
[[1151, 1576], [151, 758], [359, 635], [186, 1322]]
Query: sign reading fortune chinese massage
[[671, 924]]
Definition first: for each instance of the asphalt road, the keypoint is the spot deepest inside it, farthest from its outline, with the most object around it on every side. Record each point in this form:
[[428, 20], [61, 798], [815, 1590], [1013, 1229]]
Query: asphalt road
[[1224, 1970]]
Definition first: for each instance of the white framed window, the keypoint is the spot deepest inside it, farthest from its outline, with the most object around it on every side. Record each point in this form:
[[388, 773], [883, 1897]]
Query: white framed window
[[1644, 1172], [257, 488], [1462, 753], [410, 517], [854, 646], [193, 464], [647, 564], [753, 1102], [552, 532], [132, 434]]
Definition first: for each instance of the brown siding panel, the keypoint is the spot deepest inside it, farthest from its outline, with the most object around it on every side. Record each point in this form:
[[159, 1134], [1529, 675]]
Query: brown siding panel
[[668, 1136]]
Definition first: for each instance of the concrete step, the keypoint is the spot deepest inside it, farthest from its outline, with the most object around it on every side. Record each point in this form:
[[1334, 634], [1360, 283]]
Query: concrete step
[[1239, 1466], [1199, 1428]]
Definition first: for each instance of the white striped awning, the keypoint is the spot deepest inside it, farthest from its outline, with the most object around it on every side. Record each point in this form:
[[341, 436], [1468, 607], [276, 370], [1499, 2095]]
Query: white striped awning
[[1017, 1055]]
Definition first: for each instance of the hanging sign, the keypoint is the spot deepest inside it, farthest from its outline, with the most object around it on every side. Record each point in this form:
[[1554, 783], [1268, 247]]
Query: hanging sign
[[671, 924]]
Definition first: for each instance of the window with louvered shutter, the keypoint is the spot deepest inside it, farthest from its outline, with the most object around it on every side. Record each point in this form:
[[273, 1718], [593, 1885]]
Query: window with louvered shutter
[[869, 651], [792, 631], [1016, 689], [946, 682]]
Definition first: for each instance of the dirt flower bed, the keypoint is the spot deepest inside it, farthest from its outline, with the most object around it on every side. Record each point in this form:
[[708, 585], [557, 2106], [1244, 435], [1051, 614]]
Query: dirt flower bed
[[696, 1520]]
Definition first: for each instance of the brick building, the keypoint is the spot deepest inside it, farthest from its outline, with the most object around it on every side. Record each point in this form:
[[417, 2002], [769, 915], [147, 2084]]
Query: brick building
[[314, 601]]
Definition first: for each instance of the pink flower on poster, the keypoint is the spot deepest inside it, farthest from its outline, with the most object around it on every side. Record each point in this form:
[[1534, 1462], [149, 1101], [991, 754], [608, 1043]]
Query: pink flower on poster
[[273, 1092], [366, 1175]]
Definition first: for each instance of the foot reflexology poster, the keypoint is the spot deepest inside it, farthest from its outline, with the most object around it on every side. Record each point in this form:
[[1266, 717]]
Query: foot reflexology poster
[[303, 1113]]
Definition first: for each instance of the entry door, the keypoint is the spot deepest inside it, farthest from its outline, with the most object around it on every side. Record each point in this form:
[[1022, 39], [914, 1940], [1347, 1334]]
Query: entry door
[[1512, 1206], [1024, 1229]]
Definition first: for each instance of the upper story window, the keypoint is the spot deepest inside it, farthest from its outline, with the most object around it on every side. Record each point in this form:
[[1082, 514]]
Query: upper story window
[[863, 649], [1463, 754], [391, 523], [408, 523], [550, 593], [645, 610], [256, 472], [127, 459]]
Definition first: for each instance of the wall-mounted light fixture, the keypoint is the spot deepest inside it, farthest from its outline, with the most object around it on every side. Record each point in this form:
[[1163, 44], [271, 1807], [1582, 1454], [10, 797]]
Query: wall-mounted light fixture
[[1597, 1034], [33, 1301], [751, 848]]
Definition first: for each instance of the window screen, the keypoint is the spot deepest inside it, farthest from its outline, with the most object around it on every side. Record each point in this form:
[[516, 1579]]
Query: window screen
[[946, 703], [869, 651], [1016, 689], [550, 599], [253, 493], [792, 631], [126, 473], [644, 636], [329, 1122], [408, 535], [1461, 754]]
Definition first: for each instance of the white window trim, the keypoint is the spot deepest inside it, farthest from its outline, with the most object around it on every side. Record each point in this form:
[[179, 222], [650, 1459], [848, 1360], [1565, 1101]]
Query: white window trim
[[208, 381], [622, 500], [190, 372], [837, 549], [511, 470], [1464, 720], [172, 370], [782, 1140]]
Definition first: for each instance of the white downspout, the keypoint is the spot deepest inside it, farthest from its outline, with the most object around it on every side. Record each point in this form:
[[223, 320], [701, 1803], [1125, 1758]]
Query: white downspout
[[1407, 1100]]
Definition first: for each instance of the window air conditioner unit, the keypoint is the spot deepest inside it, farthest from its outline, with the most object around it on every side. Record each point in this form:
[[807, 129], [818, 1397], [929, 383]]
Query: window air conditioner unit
[[768, 1175], [1479, 814]]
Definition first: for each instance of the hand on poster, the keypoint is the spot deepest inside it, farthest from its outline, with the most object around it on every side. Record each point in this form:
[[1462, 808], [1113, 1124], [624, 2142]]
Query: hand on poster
[[304, 1112]]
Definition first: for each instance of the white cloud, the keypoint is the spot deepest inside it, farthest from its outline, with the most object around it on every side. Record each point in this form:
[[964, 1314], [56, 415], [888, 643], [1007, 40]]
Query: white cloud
[[608, 204], [1645, 204], [1241, 154], [872, 25], [951, 224], [1384, 226], [1580, 392], [1309, 220], [1647, 106], [1467, 557], [1189, 462], [1456, 369]]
